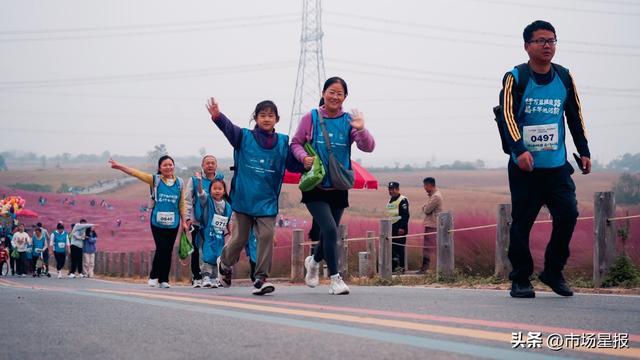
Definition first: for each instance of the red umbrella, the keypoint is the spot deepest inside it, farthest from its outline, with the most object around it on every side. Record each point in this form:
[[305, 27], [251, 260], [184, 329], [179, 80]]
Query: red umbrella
[[27, 213], [363, 178]]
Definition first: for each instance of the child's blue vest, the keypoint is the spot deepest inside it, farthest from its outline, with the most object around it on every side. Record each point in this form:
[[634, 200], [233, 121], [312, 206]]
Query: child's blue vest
[[256, 185], [166, 212], [38, 244], [339, 130], [60, 241], [214, 228], [541, 122]]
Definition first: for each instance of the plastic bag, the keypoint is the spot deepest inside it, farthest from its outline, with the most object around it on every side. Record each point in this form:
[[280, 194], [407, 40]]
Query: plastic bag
[[186, 247], [310, 179]]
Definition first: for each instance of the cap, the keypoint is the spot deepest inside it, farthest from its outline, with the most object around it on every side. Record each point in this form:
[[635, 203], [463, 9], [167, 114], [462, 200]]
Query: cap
[[394, 185]]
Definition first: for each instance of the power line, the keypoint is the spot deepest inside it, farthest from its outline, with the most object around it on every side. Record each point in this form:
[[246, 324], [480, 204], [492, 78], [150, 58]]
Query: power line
[[151, 32], [143, 26], [464, 41], [379, 20], [145, 76], [559, 8]]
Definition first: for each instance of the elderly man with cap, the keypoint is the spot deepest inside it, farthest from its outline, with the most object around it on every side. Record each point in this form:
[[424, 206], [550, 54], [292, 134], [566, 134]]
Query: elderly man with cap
[[398, 210]]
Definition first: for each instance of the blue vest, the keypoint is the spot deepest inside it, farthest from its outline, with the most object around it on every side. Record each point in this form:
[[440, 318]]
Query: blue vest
[[257, 181], [206, 185], [166, 212], [541, 122], [38, 243], [60, 241], [339, 130], [214, 229]]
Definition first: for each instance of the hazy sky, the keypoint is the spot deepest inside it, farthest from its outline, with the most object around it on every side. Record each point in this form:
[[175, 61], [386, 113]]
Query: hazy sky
[[88, 76]]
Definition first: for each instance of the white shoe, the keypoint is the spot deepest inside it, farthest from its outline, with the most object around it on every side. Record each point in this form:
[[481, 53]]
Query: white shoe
[[72, 276], [312, 278], [164, 285], [215, 283], [338, 287], [59, 275], [206, 282], [82, 276], [197, 284], [152, 282]]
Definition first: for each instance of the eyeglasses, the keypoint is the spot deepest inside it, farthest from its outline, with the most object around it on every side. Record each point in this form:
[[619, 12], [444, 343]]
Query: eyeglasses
[[543, 42]]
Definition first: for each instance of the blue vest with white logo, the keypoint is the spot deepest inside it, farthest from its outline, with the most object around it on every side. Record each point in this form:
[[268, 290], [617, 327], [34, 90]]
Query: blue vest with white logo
[[166, 212], [38, 244], [339, 130], [541, 122], [257, 181], [60, 241], [214, 228]]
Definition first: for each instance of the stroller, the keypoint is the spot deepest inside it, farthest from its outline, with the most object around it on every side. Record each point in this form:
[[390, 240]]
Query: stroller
[[39, 264], [4, 261]]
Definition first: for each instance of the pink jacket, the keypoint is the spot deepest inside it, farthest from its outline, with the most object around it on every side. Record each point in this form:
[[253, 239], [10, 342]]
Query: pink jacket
[[363, 138]]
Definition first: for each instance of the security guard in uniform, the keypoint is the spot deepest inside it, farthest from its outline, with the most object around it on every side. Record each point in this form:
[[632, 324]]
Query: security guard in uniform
[[398, 210]]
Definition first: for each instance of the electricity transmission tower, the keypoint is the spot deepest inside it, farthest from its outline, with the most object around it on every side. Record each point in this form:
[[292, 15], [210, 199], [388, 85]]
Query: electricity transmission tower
[[311, 64]]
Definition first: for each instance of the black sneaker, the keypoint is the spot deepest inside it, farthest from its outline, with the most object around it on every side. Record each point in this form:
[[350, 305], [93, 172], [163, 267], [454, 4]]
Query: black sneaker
[[556, 283], [224, 275], [262, 287], [523, 290]]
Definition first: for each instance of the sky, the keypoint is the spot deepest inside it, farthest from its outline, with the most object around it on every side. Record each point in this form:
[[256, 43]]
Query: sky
[[123, 76]]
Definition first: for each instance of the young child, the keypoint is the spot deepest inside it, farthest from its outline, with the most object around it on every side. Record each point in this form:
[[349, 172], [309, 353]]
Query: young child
[[260, 157], [89, 252], [216, 213], [40, 251], [59, 242]]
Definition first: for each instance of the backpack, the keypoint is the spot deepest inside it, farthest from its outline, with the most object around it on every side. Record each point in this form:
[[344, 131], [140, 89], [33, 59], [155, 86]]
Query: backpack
[[153, 190], [524, 73]]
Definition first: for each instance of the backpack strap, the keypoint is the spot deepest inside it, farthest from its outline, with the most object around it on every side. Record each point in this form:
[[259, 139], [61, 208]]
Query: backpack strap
[[524, 74], [563, 73]]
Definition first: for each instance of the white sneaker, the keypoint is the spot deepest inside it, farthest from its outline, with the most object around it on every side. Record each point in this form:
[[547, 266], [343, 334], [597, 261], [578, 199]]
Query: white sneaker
[[59, 275], [197, 284], [206, 282], [82, 276], [72, 276], [152, 282], [215, 283], [312, 278], [338, 287], [164, 285]]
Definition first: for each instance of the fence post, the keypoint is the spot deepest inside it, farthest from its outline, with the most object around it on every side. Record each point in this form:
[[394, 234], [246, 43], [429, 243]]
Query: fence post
[[123, 270], [130, 265], [502, 263], [373, 254], [297, 255], [142, 272], [445, 261], [343, 247], [98, 262], [604, 246], [385, 249]]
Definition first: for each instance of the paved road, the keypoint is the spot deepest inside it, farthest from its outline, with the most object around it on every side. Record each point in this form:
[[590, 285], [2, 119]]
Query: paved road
[[96, 319]]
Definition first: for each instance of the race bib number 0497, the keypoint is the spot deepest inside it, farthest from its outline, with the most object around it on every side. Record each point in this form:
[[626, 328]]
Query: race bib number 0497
[[541, 137]]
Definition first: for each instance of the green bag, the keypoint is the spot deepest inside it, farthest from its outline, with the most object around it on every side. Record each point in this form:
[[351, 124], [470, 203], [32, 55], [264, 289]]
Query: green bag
[[186, 248], [313, 177], [14, 253]]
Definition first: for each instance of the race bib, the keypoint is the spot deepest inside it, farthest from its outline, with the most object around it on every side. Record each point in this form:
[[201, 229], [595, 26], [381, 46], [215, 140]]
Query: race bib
[[541, 137], [165, 218], [61, 245], [220, 223]]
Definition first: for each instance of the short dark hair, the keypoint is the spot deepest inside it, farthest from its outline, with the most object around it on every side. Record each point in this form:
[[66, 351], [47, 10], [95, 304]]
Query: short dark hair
[[527, 34], [429, 180], [265, 105], [60, 226], [83, 221]]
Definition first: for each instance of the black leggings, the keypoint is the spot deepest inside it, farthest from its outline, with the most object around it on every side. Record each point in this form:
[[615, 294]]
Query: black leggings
[[328, 220], [196, 235], [164, 239], [76, 260], [60, 259]]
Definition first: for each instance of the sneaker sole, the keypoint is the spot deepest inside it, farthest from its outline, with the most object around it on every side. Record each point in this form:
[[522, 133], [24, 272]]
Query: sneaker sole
[[264, 291], [527, 296], [224, 281], [346, 292], [306, 279]]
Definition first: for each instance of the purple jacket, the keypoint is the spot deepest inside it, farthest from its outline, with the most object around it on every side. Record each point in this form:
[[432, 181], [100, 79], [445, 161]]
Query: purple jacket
[[363, 138]]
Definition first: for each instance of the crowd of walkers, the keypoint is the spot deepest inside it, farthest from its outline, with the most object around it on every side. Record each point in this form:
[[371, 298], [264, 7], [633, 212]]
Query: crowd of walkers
[[29, 251]]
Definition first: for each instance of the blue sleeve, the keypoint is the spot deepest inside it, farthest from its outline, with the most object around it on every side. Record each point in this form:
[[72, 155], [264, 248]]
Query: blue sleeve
[[232, 132]]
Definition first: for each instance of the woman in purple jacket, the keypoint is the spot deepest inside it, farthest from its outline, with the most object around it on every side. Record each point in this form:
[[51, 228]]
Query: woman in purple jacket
[[326, 203]]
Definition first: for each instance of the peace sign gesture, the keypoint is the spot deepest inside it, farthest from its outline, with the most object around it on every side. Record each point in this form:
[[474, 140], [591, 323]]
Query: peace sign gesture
[[213, 108], [357, 119]]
